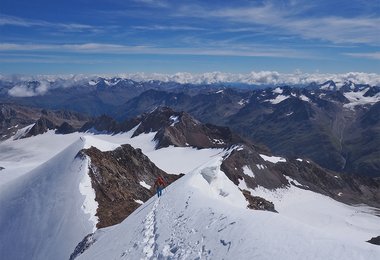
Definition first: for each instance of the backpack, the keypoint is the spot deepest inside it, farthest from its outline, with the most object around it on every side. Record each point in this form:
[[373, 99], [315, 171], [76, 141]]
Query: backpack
[[160, 181]]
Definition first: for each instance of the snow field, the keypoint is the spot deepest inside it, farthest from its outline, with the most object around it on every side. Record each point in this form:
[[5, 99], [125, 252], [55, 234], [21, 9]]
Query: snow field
[[203, 215], [194, 220]]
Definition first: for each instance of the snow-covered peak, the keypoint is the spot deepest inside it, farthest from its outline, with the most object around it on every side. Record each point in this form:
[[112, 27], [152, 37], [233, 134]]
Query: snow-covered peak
[[91, 141], [359, 98], [278, 90], [278, 99], [328, 85]]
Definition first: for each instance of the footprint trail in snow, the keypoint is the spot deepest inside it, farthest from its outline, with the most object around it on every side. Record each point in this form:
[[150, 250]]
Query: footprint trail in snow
[[150, 232]]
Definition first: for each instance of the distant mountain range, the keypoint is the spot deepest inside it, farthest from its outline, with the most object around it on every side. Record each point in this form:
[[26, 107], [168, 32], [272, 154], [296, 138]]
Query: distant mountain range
[[335, 124]]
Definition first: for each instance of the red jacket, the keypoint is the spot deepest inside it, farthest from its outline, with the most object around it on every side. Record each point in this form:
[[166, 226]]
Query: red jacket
[[159, 182]]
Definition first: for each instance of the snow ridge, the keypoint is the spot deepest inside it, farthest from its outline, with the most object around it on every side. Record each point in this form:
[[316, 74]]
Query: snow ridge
[[90, 205]]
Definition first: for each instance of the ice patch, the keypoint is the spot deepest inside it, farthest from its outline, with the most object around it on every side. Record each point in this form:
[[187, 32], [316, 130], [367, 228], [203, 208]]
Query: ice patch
[[289, 114], [174, 119], [217, 141], [92, 83], [291, 180], [278, 99], [243, 185], [248, 171], [277, 90], [243, 102], [272, 159], [147, 186], [139, 201], [260, 166], [304, 98]]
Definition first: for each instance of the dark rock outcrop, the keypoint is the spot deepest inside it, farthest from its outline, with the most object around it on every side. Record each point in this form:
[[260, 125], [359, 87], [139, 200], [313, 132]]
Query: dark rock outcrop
[[65, 128], [183, 130], [41, 126], [87, 241], [14, 117], [116, 176], [375, 240], [258, 203]]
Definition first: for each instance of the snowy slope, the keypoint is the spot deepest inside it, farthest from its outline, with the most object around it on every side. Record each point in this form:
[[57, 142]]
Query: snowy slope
[[41, 213], [48, 210], [203, 216], [21, 156], [47, 202]]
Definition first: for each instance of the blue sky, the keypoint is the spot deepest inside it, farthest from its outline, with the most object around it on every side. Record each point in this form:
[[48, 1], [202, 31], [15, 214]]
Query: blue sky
[[118, 36]]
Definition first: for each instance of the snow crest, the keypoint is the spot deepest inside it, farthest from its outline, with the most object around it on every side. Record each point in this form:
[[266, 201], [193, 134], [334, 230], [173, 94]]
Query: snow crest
[[90, 205]]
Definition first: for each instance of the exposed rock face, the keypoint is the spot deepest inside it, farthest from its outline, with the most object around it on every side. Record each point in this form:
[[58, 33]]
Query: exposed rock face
[[181, 129], [41, 126], [258, 203], [346, 188], [173, 128], [65, 128], [83, 246], [14, 117], [117, 176], [374, 240], [102, 124], [248, 156]]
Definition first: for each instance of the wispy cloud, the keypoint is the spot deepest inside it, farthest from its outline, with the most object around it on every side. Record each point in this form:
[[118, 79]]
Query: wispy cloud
[[287, 20], [67, 27], [367, 55], [101, 48], [158, 3], [169, 28]]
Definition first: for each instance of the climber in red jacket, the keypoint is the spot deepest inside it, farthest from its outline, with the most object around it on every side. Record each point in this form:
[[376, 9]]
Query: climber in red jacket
[[159, 185]]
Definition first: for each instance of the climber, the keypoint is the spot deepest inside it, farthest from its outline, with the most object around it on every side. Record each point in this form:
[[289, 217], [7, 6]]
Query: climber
[[159, 185]]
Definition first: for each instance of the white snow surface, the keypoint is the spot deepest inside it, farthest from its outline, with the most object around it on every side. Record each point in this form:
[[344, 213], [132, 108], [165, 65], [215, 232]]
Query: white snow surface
[[174, 119], [304, 98], [329, 86], [44, 212], [278, 90], [90, 205], [203, 215], [47, 202], [22, 132], [278, 99], [248, 171], [145, 185], [272, 159], [358, 99]]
